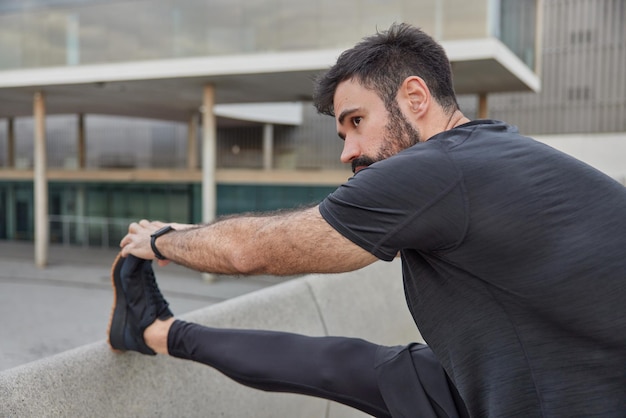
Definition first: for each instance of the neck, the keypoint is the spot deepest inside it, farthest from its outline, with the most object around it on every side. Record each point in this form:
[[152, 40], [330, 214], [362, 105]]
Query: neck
[[445, 123], [457, 118]]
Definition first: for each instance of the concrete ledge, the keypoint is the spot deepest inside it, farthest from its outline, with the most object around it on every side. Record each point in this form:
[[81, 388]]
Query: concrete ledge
[[93, 381]]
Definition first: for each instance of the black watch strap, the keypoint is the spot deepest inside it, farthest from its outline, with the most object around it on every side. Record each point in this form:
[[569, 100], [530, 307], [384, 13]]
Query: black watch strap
[[157, 234]]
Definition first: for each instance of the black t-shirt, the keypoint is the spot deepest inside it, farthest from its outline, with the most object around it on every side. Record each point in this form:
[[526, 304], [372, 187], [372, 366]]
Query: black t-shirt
[[514, 265]]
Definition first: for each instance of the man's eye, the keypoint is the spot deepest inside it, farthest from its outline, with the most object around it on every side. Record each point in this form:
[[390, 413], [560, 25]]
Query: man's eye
[[356, 120]]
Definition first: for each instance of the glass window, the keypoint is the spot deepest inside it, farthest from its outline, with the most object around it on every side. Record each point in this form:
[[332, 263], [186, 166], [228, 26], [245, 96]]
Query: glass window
[[518, 28], [88, 32]]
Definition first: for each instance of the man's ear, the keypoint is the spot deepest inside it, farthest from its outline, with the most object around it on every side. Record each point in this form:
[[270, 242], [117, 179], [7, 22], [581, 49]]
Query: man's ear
[[416, 95]]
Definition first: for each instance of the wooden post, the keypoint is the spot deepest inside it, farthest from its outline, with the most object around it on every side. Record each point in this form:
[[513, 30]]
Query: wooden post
[[268, 146], [192, 142], [11, 143], [209, 153], [209, 161], [483, 109], [81, 147], [42, 226]]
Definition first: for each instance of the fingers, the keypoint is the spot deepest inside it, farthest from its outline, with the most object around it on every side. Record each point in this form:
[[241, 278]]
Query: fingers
[[137, 240], [147, 224]]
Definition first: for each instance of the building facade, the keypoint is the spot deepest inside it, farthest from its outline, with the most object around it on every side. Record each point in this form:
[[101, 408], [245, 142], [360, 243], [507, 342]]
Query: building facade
[[108, 164]]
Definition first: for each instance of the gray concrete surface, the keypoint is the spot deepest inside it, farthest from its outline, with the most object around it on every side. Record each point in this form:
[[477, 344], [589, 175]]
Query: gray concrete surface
[[93, 381], [67, 304]]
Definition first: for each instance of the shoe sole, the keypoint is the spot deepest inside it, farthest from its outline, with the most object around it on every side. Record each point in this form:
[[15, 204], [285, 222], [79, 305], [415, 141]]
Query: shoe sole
[[117, 321]]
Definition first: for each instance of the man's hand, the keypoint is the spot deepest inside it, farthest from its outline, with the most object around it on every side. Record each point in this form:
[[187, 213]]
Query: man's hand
[[137, 240]]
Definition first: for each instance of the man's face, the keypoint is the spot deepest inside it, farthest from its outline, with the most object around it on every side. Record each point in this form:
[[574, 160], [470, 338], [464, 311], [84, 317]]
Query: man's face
[[369, 130]]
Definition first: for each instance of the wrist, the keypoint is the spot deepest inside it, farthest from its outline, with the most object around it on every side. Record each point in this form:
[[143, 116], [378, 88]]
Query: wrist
[[153, 238]]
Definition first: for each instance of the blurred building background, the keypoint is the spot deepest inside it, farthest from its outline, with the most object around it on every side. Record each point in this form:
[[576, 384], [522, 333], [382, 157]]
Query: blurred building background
[[122, 89]]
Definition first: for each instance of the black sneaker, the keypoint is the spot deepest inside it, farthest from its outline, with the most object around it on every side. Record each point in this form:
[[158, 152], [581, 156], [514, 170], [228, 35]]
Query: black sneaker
[[137, 304]]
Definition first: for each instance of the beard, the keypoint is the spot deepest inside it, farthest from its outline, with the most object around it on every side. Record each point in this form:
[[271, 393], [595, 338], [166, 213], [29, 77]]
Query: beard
[[399, 135]]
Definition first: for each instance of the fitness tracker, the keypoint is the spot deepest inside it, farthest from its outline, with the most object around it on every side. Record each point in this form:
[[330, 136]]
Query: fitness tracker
[[156, 235]]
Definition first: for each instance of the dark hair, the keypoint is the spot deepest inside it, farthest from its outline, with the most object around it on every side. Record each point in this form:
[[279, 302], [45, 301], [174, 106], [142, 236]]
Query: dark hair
[[381, 62]]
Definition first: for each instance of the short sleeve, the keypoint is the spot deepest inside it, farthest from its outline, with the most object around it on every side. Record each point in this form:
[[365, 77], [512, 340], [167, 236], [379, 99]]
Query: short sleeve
[[413, 200]]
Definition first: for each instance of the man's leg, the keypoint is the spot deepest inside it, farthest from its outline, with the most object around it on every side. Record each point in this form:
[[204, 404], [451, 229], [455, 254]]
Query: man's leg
[[335, 368], [347, 370], [339, 369], [379, 380]]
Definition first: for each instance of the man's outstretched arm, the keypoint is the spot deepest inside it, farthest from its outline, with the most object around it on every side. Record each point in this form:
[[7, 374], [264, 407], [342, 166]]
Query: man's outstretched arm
[[283, 243]]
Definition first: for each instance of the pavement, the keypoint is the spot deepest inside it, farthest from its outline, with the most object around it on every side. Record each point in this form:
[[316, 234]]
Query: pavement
[[67, 304]]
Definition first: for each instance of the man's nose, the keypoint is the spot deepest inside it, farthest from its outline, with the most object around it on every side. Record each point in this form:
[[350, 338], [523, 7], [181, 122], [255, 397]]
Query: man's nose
[[351, 150]]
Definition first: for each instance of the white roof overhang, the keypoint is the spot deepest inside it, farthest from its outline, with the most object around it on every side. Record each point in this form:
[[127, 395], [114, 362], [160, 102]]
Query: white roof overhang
[[172, 89]]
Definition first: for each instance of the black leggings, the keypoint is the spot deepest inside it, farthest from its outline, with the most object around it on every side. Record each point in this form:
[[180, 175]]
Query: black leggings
[[351, 371]]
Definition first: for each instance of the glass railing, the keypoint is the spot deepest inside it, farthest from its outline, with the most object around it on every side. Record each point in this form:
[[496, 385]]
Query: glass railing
[[87, 231], [57, 33]]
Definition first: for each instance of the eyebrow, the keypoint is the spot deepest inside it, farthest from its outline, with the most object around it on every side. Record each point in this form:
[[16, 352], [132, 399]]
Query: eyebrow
[[345, 113]]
